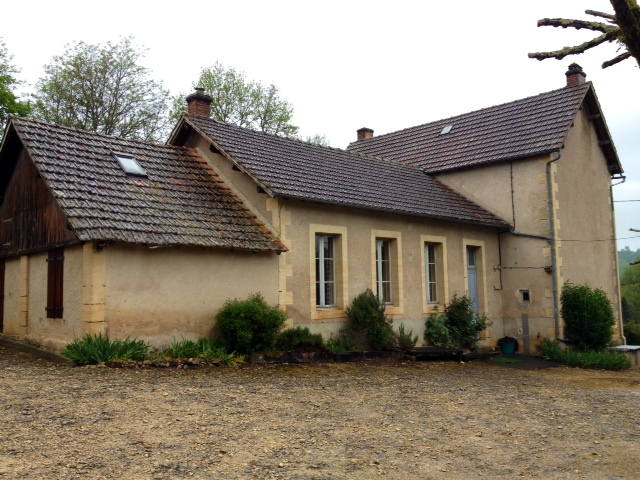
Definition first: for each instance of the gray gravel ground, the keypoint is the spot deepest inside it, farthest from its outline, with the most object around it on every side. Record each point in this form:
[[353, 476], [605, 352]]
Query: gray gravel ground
[[374, 419]]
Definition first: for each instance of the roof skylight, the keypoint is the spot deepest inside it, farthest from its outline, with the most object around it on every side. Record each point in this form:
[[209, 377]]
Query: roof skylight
[[446, 129], [130, 165]]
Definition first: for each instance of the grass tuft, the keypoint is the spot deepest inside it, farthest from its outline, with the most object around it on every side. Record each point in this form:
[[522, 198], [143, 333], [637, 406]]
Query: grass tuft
[[97, 349]]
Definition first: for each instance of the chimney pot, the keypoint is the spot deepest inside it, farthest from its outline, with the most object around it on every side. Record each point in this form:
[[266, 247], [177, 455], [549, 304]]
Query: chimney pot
[[199, 103], [365, 133], [575, 75]]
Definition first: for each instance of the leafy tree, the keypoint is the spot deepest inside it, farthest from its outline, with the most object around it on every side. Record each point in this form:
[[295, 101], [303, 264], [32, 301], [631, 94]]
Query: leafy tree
[[103, 89], [626, 256], [318, 139], [630, 291], [623, 28], [241, 102], [9, 103]]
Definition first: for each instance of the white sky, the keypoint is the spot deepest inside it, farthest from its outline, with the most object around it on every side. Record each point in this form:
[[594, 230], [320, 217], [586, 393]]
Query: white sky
[[350, 64]]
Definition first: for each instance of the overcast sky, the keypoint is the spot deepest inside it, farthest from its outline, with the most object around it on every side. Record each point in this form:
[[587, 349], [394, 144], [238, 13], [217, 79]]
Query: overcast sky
[[350, 64]]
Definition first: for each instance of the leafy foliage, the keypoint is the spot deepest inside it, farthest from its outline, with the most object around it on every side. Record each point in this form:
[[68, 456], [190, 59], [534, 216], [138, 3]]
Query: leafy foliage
[[9, 102], [340, 343], [296, 338], [459, 325], [406, 340], [248, 326], [623, 28], [605, 360], [103, 89], [207, 349], [436, 331], [367, 323], [630, 291], [242, 102], [588, 317], [632, 333], [96, 349]]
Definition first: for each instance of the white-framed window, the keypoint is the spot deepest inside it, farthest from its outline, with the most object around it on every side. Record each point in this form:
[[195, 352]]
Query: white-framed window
[[325, 270], [384, 285], [431, 265]]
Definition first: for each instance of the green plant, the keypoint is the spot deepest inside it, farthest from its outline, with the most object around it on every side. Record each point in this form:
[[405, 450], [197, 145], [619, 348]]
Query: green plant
[[459, 325], [96, 349], [604, 360], [436, 331], [632, 333], [202, 348], [367, 323], [295, 338], [406, 340], [247, 326], [340, 344], [588, 317]]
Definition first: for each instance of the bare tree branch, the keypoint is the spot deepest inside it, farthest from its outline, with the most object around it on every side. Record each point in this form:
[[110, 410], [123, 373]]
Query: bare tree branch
[[618, 59], [583, 47], [623, 27], [595, 13]]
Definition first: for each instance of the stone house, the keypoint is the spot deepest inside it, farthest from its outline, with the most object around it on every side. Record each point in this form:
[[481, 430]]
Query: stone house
[[505, 204]]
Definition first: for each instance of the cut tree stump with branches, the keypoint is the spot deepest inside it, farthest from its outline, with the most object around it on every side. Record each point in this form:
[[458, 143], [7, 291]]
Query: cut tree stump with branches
[[623, 28]]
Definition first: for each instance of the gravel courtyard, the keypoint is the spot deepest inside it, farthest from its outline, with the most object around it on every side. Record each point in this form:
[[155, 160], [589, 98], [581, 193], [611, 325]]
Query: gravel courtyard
[[375, 419]]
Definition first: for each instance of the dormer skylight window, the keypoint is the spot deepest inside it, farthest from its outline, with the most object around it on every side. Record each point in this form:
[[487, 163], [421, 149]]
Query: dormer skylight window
[[446, 129], [130, 165]]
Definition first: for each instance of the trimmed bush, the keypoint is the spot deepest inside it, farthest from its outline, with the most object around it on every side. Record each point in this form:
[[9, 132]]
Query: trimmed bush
[[96, 349], [604, 360], [248, 326], [367, 323], [588, 317], [299, 338]]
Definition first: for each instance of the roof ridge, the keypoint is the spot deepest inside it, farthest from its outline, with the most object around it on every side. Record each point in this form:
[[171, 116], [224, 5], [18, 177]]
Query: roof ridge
[[76, 130], [584, 86], [305, 144]]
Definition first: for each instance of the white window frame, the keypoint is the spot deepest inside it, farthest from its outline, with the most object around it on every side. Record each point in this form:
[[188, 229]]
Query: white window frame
[[384, 276], [324, 277], [431, 272]]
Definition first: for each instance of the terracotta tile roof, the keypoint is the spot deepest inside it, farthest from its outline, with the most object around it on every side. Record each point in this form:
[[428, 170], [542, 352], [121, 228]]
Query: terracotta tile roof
[[182, 202], [296, 169], [524, 128]]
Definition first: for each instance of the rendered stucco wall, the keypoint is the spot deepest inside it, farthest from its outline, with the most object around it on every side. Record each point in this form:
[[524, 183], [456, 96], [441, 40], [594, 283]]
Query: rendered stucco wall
[[585, 218], [158, 295], [54, 333]]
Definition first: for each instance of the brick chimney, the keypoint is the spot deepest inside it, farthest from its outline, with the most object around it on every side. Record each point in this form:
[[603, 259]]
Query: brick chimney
[[575, 75], [365, 133], [199, 103]]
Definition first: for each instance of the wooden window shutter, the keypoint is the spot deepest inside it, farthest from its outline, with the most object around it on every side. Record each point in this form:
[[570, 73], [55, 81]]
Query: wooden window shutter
[[55, 262]]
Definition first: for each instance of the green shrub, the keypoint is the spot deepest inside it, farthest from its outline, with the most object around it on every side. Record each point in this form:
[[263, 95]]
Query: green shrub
[[340, 344], [588, 317], [367, 323], [248, 326], [459, 325], [436, 331], [406, 340], [296, 338], [96, 349], [632, 333], [603, 360], [203, 348]]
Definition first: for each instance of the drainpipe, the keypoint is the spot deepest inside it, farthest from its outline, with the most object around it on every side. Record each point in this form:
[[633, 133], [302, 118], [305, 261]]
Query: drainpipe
[[552, 245]]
